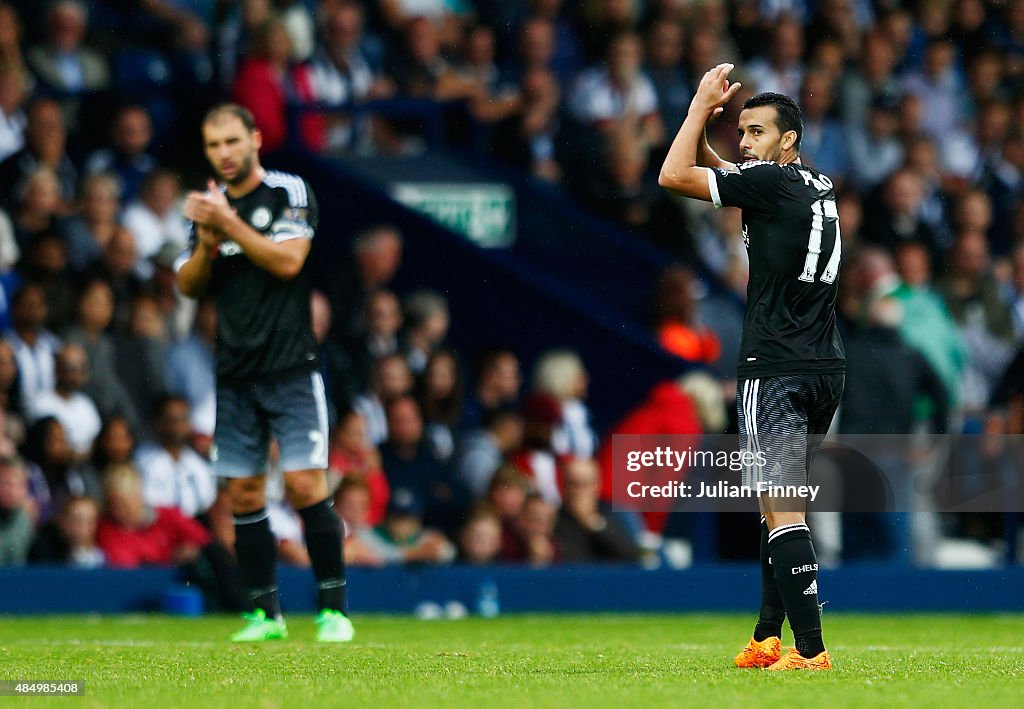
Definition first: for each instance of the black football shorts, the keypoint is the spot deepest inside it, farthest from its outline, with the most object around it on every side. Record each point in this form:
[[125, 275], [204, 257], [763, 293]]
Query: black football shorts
[[784, 420], [291, 409]]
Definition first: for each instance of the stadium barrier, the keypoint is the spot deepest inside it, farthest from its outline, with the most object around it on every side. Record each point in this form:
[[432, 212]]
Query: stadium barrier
[[732, 587]]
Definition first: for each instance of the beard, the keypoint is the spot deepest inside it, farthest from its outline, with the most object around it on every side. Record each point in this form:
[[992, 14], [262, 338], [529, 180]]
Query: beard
[[244, 171]]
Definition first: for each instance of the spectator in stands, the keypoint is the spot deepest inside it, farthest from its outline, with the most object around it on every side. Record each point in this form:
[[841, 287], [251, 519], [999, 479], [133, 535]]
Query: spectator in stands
[[498, 383], [156, 219], [34, 346], [548, 39], [898, 218], [116, 266], [542, 414], [383, 320], [236, 35], [352, 505], [11, 36], [927, 325], [377, 256], [884, 370], [665, 69], [585, 530], [823, 144], [536, 50], [14, 90], [11, 402], [352, 456], [872, 77], [341, 73], [426, 321], [63, 63], [38, 206], [69, 404], [52, 473], [420, 69], [874, 146], [127, 157], [719, 244], [45, 263], [677, 318], [482, 451], [409, 466], [972, 296], [529, 138], [841, 21], [480, 538], [105, 388], [70, 537], [439, 392], [561, 374], [115, 445], [45, 144], [781, 69], [604, 96], [402, 538], [16, 529], [90, 231], [391, 380], [133, 534], [940, 87], [922, 159], [262, 83], [190, 369], [534, 542], [506, 494], [497, 98], [173, 474], [667, 411], [141, 354]]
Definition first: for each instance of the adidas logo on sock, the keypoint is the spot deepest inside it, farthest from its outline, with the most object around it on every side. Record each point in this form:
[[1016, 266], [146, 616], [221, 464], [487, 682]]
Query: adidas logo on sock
[[812, 590]]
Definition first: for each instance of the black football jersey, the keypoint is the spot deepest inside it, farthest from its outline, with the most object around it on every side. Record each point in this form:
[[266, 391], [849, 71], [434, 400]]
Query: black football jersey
[[791, 231], [264, 323]]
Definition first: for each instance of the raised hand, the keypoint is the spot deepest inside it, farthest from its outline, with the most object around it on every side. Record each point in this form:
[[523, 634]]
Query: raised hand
[[715, 90], [209, 208]]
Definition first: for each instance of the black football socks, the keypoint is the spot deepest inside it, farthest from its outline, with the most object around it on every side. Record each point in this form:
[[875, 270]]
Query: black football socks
[[323, 541], [773, 610], [256, 549], [796, 575]]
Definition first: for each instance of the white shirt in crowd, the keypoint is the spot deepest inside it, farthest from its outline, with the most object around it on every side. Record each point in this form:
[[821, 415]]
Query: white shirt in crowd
[[151, 232], [595, 98], [35, 364], [77, 414], [186, 483]]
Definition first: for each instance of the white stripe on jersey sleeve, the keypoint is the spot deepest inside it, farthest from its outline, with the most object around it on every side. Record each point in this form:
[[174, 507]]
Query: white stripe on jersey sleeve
[[286, 230], [292, 184], [713, 186]]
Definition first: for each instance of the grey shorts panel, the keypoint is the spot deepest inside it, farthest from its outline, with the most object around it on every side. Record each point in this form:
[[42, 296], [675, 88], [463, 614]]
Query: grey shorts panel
[[291, 410]]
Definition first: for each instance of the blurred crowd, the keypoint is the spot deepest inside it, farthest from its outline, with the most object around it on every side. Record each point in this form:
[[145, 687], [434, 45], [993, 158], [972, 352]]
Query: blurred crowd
[[106, 372]]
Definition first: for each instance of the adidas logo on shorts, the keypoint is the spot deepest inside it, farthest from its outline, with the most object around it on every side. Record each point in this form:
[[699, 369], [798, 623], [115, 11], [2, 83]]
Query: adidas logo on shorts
[[812, 589]]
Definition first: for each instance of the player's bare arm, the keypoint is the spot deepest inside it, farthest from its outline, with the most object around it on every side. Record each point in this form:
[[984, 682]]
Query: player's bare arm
[[283, 260], [194, 274], [681, 172]]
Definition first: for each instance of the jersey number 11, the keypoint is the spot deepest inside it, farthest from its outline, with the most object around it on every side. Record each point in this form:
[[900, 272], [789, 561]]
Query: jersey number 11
[[825, 214]]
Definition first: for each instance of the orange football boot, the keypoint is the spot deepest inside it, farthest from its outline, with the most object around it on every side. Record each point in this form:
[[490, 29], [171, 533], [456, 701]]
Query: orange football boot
[[793, 660], [760, 654]]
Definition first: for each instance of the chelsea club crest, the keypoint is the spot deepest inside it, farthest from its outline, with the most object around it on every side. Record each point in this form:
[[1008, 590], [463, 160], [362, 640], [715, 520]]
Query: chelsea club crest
[[260, 218]]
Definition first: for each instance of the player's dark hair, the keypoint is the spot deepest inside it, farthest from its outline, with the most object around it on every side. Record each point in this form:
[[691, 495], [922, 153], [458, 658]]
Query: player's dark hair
[[789, 117], [231, 109]]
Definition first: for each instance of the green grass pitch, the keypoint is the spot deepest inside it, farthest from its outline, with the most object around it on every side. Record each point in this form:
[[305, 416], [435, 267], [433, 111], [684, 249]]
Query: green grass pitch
[[515, 661]]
